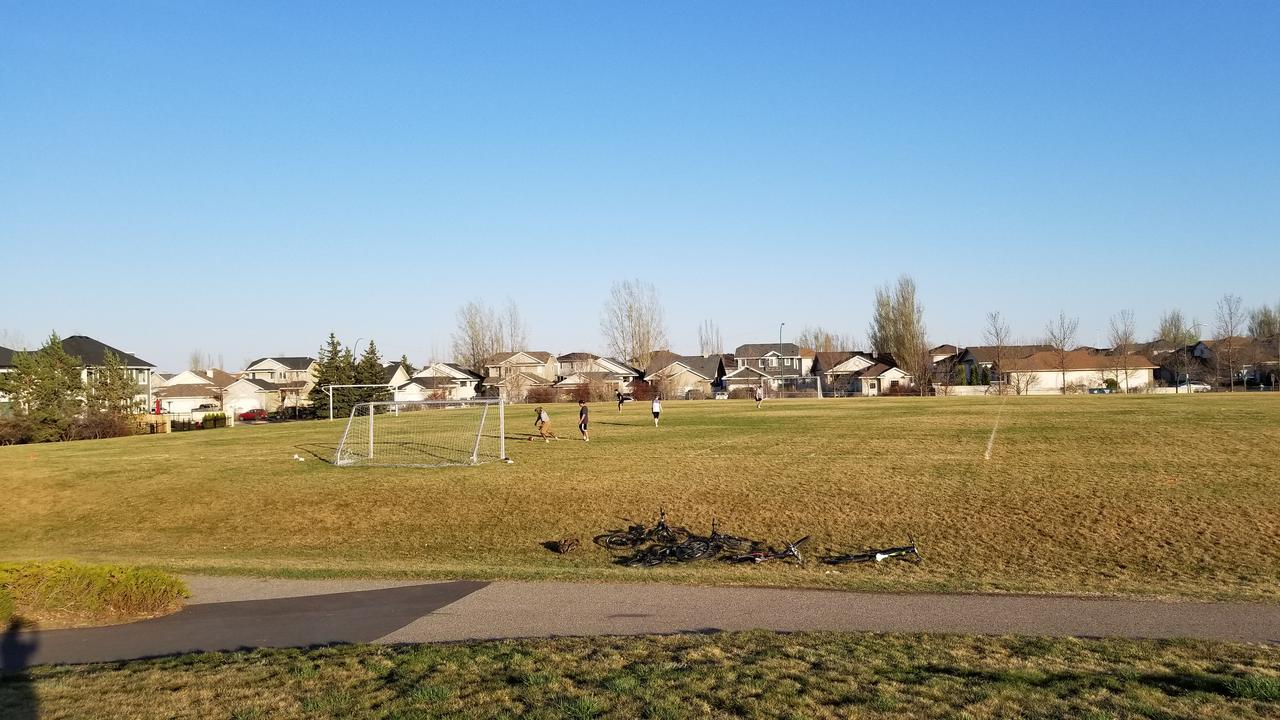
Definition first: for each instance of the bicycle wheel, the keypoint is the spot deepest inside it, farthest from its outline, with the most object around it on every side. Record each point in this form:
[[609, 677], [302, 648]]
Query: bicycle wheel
[[616, 541], [736, 544], [847, 559], [695, 549]]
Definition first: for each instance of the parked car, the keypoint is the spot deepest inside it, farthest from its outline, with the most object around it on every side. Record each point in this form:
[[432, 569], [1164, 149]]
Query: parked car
[[254, 414], [722, 395], [205, 407], [1194, 386]]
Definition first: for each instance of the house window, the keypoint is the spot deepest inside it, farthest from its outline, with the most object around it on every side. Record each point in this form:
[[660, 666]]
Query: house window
[[787, 362], [741, 362]]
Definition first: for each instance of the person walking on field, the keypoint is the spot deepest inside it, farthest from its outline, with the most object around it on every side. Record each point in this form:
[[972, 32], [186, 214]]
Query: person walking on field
[[657, 409], [759, 395], [583, 412], [542, 421], [619, 394]]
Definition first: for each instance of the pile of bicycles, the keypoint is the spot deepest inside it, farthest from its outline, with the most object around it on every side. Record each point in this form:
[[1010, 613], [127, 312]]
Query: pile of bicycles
[[642, 546]]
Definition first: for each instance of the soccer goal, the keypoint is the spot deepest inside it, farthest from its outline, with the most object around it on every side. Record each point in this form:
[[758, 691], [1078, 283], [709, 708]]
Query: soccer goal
[[424, 433], [803, 386]]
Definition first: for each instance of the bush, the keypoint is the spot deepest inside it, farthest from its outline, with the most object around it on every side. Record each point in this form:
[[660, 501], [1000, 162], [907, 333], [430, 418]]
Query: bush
[[14, 431], [98, 425], [641, 390], [72, 593], [742, 393], [1112, 384], [695, 395], [540, 394]]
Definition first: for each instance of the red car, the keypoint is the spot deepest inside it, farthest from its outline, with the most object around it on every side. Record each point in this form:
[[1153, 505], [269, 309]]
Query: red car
[[254, 414]]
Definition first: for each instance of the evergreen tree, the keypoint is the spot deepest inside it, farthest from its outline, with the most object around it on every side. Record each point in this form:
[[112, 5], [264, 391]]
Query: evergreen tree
[[112, 389], [960, 375], [344, 374], [46, 390], [986, 376], [369, 372], [326, 372], [408, 366]]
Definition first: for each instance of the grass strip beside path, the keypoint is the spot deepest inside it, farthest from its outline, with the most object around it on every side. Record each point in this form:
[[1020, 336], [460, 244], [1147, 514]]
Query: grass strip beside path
[[72, 594], [752, 674]]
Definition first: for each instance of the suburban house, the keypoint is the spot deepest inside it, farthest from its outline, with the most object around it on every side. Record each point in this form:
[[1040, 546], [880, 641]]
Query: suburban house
[[248, 393], [190, 389], [440, 381], [984, 356], [395, 374], [775, 365], [1042, 372], [684, 376], [294, 377], [92, 355], [515, 373], [942, 352], [848, 373], [580, 369], [6, 365]]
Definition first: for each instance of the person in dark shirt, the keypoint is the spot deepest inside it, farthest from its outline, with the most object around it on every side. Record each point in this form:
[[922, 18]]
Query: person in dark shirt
[[583, 412], [620, 401]]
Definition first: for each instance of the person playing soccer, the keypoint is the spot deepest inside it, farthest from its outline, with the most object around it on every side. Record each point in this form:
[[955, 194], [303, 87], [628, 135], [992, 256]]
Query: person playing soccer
[[583, 412], [542, 421], [759, 395], [657, 409]]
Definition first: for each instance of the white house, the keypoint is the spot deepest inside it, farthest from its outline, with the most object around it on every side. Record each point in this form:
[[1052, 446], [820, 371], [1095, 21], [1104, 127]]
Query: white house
[[1042, 373], [446, 381], [251, 394]]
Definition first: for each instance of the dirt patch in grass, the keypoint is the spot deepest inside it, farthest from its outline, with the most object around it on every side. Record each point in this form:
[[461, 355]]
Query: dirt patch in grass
[[73, 594], [1170, 496], [754, 674]]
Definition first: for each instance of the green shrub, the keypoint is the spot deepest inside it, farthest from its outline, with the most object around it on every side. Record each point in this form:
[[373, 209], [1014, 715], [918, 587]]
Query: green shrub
[[65, 592]]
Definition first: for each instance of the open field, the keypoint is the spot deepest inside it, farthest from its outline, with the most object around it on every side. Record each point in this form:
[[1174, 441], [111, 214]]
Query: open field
[[756, 674], [1146, 495]]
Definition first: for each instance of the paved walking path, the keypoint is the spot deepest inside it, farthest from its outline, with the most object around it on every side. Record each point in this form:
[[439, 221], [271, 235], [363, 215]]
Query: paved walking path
[[237, 613]]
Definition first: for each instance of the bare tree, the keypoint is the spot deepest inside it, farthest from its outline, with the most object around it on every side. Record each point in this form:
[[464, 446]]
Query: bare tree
[[1228, 319], [1174, 329], [632, 321], [515, 334], [1123, 330], [1022, 382], [819, 339], [1060, 334], [199, 360], [897, 327], [478, 337], [1264, 322], [709, 342], [12, 339], [996, 336]]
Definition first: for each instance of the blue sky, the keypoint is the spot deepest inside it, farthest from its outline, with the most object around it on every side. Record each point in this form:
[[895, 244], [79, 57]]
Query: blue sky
[[245, 177]]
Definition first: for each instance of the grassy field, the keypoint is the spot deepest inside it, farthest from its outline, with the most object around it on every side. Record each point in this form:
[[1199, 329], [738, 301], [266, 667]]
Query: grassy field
[[754, 674], [1141, 495]]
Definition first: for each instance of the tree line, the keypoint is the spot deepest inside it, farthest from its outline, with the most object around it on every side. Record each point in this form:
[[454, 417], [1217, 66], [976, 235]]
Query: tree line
[[336, 364]]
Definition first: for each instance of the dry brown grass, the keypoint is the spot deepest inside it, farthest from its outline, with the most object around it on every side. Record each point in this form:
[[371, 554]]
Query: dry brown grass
[[755, 674], [1156, 495]]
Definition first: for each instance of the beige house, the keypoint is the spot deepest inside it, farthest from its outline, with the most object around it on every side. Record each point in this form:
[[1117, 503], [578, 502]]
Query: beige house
[[680, 376], [1042, 373], [247, 394], [513, 374], [191, 389], [440, 381]]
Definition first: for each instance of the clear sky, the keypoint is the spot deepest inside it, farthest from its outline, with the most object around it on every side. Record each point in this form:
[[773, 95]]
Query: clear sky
[[245, 177]]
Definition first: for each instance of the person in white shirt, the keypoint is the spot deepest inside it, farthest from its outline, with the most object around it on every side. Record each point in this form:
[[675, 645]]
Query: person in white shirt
[[657, 409], [759, 395]]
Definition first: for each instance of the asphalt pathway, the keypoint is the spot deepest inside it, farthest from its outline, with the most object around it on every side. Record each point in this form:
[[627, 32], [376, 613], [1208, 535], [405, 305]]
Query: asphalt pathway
[[239, 613]]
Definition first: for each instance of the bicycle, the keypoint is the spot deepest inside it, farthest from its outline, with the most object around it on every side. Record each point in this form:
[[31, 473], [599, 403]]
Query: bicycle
[[765, 554], [908, 553], [691, 549], [636, 535]]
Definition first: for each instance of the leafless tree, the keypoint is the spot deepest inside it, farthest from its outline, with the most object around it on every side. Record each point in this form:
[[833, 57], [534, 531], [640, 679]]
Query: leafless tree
[[1174, 329], [1229, 316], [1022, 382], [12, 339], [897, 327], [478, 336], [1122, 339], [996, 336], [1060, 334], [1264, 322], [515, 333], [632, 321], [709, 342], [199, 360], [819, 339]]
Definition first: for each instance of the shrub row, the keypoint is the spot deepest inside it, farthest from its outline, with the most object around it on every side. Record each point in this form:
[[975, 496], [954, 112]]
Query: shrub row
[[65, 592]]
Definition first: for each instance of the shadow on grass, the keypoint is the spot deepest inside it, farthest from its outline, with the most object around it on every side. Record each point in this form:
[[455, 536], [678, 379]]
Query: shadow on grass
[[319, 451], [1171, 684]]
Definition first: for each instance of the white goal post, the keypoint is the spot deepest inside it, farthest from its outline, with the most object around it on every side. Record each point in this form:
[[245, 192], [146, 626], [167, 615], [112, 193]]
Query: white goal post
[[424, 433]]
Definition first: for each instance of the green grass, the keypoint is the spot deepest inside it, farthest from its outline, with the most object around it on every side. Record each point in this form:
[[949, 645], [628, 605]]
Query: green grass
[[1141, 495], [60, 594], [754, 674]]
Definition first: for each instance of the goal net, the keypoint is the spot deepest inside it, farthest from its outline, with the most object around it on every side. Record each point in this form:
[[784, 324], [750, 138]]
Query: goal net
[[423, 433], [803, 386]]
